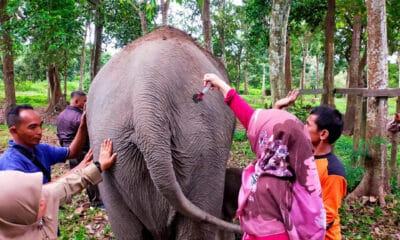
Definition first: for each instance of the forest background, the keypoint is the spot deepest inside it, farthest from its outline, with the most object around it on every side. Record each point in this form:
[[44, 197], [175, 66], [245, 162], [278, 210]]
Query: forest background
[[267, 46]]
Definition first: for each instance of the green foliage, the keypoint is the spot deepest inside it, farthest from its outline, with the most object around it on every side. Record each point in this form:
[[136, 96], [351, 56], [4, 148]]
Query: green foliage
[[393, 15], [240, 135], [122, 23], [53, 28], [393, 77], [310, 11], [302, 109]]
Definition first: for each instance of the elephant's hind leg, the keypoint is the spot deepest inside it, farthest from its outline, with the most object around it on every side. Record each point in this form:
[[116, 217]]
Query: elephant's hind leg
[[124, 223]]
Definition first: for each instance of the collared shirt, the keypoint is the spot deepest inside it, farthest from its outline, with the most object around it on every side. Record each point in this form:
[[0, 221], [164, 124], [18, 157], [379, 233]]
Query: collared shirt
[[48, 155], [67, 124], [332, 175]]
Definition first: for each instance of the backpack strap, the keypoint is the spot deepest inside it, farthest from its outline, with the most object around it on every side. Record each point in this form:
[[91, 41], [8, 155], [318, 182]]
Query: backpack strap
[[34, 160]]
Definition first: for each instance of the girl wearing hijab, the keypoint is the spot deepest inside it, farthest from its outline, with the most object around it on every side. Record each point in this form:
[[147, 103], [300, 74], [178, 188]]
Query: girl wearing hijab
[[29, 209], [280, 196]]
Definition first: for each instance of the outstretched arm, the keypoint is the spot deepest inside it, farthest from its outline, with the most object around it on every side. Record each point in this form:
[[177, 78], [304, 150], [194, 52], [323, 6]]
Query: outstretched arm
[[75, 149], [79, 177], [238, 105], [288, 100]]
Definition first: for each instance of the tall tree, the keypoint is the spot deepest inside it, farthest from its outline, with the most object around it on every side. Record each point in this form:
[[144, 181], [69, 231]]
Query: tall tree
[[98, 6], [375, 181], [277, 47], [140, 9], [82, 62], [54, 28], [220, 26], [206, 20], [305, 44], [122, 23], [164, 11], [288, 64], [328, 98], [7, 56], [353, 101]]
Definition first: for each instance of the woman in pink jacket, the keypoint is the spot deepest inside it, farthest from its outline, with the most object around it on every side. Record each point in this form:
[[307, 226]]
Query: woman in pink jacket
[[280, 196]]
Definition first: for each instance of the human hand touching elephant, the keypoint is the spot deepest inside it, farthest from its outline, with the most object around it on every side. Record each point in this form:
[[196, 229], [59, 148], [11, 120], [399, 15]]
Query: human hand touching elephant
[[216, 83], [106, 157]]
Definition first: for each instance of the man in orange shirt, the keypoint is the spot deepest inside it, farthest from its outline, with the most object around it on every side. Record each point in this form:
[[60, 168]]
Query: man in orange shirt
[[325, 125]]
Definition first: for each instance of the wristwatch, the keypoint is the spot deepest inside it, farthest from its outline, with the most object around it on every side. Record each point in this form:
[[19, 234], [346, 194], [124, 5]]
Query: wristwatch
[[98, 166]]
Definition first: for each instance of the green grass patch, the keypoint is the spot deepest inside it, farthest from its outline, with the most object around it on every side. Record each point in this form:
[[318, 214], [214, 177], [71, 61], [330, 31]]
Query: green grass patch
[[34, 93]]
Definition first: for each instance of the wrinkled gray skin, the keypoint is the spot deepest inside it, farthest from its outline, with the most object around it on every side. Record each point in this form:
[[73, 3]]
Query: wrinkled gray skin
[[233, 181], [168, 181]]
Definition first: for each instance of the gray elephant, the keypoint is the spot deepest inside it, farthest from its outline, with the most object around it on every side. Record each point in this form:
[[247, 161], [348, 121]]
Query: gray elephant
[[168, 181]]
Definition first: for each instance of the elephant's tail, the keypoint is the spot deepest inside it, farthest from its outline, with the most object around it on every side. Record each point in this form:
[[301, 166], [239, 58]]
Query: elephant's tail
[[190, 210]]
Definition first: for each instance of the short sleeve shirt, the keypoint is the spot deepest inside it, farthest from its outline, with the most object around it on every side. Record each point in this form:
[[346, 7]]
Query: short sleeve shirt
[[48, 155]]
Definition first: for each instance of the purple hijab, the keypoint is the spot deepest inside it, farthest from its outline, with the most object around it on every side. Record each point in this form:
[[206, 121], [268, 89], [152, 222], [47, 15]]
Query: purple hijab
[[281, 191]]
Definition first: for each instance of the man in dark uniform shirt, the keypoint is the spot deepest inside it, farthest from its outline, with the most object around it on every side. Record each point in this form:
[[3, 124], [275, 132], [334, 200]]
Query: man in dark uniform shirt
[[67, 125]]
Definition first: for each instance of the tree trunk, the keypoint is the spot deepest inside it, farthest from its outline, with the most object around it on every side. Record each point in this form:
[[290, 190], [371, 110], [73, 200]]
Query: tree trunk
[[238, 68], [375, 181], [305, 55], [206, 19], [359, 115], [317, 72], [82, 63], [142, 15], [221, 33], [98, 39], [353, 100], [65, 75], [7, 59], [246, 75], [263, 81], [288, 64], [277, 48], [55, 100], [328, 98], [164, 11]]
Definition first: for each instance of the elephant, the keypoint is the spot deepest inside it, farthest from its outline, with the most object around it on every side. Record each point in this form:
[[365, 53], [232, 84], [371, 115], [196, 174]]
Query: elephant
[[172, 151], [233, 181]]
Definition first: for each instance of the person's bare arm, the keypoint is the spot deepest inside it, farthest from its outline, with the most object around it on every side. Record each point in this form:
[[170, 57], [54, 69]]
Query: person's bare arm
[[79, 177], [75, 149], [217, 83], [288, 100]]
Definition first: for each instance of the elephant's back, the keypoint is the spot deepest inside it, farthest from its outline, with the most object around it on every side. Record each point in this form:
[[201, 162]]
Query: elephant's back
[[165, 67]]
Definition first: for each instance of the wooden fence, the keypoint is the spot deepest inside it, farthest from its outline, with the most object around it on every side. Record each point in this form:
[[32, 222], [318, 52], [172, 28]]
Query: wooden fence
[[364, 93]]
